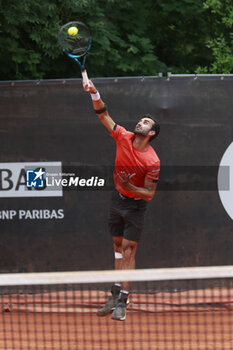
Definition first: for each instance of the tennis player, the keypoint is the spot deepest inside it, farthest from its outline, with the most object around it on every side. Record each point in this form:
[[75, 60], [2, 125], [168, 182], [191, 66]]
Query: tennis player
[[135, 176]]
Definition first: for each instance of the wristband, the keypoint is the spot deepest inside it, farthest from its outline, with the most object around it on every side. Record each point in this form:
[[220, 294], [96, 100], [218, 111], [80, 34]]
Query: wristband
[[95, 96], [100, 111]]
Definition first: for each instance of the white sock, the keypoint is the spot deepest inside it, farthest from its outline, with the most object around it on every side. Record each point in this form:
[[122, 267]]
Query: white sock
[[124, 292]]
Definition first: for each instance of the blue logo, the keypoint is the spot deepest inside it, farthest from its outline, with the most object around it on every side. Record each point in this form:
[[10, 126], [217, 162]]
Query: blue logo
[[35, 178]]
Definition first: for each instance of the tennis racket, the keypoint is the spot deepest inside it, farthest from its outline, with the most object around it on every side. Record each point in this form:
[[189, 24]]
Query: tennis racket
[[75, 40]]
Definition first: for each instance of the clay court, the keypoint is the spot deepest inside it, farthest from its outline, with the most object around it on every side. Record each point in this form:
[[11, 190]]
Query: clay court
[[191, 319], [161, 331]]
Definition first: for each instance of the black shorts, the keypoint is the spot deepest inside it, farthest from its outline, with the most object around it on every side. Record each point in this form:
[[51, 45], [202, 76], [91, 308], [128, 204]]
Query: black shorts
[[126, 217]]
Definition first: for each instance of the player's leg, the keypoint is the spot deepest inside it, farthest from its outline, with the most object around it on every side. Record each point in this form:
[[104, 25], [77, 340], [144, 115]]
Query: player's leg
[[116, 287], [132, 232], [117, 247], [128, 257], [133, 224], [116, 227], [128, 262]]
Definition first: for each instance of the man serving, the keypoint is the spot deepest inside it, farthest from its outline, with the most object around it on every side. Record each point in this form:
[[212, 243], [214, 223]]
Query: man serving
[[135, 176]]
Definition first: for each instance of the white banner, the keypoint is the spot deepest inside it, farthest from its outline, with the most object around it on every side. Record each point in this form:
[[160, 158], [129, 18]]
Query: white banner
[[29, 179], [227, 195]]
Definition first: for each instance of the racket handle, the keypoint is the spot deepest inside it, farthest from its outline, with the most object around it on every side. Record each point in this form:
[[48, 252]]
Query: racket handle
[[85, 77]]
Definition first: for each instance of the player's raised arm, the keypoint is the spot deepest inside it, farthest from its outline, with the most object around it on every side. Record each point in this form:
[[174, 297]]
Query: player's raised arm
[[99, 106]]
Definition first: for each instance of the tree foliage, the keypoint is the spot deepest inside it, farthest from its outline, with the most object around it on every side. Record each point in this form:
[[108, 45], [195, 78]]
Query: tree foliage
[[220, 40], [130, 37]]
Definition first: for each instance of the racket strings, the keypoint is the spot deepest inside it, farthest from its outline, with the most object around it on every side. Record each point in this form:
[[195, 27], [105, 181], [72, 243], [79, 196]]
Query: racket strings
[[77, 44]]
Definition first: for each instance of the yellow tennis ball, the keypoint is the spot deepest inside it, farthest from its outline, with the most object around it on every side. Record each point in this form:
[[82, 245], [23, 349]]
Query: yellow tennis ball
[[72, 31]]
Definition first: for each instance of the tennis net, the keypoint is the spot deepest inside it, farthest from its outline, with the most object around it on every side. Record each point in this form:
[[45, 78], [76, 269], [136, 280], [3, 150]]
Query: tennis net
[[173, 308]]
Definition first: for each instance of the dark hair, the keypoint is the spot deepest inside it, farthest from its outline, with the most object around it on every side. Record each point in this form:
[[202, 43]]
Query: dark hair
[[155, 127]]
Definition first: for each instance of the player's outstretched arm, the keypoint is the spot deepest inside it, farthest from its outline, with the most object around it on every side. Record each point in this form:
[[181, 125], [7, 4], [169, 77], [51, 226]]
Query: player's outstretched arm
[[99, 106]]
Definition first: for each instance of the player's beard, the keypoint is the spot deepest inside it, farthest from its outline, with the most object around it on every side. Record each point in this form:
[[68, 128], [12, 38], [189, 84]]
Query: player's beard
[[140, 132]]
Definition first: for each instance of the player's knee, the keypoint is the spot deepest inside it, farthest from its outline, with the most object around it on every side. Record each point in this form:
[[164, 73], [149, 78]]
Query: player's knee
[[117, 243]]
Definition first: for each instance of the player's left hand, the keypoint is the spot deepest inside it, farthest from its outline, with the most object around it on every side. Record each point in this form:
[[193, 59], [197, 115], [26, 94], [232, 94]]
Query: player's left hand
[[125, 178]]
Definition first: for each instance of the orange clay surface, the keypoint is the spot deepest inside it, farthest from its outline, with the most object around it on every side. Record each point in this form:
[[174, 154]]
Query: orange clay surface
[[141, 330]]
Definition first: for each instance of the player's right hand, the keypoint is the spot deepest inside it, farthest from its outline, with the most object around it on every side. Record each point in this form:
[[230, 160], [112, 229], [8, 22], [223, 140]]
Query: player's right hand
[[89, 88]]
